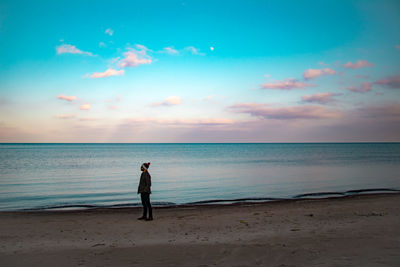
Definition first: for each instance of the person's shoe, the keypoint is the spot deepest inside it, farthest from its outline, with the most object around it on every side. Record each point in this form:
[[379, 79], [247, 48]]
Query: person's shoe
[[149, 219], [142, 218]]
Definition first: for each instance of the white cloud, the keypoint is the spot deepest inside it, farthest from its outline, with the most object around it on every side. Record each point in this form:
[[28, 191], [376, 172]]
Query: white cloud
[[194, 50], [109, 32], [170, 50], [143, 48]]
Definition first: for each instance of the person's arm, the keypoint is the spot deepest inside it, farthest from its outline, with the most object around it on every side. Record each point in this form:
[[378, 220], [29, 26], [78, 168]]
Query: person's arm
[[149, 180], [140, 182]]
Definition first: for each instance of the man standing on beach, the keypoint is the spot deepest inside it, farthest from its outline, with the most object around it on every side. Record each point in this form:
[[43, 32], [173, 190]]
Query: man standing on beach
[[145, 191]]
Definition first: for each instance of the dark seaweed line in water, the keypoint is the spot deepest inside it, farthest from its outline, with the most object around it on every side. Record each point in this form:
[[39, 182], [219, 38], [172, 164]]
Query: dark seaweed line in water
[[349, 192], [318, 194], [226, 201]]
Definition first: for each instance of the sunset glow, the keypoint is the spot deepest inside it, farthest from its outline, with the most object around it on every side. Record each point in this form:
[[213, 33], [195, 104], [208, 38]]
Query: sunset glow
[[147, 71]]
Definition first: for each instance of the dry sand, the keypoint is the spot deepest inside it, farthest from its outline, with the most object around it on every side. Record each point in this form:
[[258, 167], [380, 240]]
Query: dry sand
[[350, 231]]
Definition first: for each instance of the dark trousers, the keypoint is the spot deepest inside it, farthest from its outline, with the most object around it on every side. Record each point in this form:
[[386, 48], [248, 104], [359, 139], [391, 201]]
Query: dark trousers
[[146, 204]]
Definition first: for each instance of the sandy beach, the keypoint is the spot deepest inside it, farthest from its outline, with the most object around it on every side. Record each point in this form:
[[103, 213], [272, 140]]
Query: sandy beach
[[351, 231]]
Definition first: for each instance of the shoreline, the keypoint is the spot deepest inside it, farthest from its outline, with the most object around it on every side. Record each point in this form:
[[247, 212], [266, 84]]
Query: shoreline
[[138, 207], [354, 230], [213, 202]]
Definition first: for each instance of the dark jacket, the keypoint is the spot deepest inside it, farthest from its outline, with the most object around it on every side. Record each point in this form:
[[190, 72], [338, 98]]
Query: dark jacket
[[145, 183]]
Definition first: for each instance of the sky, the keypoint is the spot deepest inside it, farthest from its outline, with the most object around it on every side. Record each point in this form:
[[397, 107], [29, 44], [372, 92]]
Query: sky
[[199, 71]]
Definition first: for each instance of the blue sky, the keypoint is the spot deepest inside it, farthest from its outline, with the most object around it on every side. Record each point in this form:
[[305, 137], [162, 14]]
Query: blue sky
[[199, 71]]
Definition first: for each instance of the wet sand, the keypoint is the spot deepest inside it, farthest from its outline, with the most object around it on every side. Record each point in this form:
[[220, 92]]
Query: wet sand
[[350, 231]]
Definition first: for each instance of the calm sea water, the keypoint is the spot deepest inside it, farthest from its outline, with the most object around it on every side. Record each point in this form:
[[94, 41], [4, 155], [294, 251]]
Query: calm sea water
[[71, 175]]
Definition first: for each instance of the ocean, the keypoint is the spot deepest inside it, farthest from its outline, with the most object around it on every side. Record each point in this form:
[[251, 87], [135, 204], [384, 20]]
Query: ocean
[[73, 176]]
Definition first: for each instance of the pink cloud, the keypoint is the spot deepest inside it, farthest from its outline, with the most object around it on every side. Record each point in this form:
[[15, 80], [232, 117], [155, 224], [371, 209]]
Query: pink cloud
[[390, 82], [320, 98], [398, 47], [314, 73], [358, 64], [284, 113], [287, 84], [182, 122], [70, 49], [87, 119], [67, 98], [85, 107], [363, 88], [116, 99], [113, 102], [65, 116], [134, 58], [389, 111], [107, 73], [200, 122], [169, 101], [208, 98]]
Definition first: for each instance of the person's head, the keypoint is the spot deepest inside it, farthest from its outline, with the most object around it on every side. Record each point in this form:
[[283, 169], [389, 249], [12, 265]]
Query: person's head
[[145, 167]]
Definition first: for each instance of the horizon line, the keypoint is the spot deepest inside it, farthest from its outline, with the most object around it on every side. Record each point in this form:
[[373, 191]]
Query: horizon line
[[138, 143]]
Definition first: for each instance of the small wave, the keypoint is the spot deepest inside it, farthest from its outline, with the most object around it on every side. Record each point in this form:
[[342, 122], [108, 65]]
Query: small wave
[[232, 200], [88, 206], [320, 194], [372, 190]]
